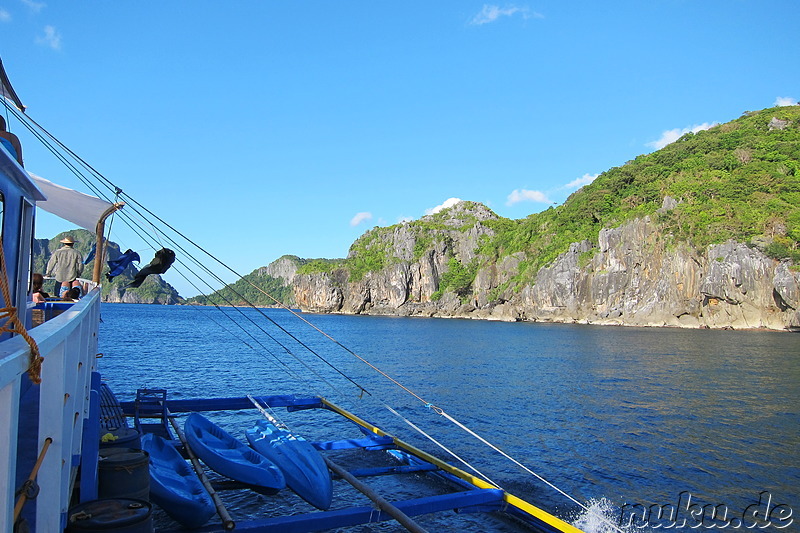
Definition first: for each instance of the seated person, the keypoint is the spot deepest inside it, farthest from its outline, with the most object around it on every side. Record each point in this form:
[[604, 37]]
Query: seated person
[[72, 295], [38, 295], [10, 141]]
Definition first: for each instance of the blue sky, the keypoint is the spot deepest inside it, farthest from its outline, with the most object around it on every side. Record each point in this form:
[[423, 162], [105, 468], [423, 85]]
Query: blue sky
[[268, 128]]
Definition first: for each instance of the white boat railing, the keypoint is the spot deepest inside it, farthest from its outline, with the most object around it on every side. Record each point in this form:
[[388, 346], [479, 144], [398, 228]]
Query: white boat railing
[[68, 344]]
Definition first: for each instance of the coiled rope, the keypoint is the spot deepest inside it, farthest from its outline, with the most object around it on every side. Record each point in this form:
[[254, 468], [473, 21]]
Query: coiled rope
[[13, 324]]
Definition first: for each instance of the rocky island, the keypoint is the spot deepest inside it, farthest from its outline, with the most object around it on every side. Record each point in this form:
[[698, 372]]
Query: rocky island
[[702, 233]]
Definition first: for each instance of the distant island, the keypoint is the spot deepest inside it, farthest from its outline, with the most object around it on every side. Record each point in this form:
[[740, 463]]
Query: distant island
[[705, 232]]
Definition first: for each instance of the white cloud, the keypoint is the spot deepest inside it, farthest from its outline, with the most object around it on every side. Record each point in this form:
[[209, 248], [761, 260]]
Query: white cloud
[[360, 217], [450, 202], [404, 219], [5, 16], [491, 13], [33, 5], [670, 136], [50, 38], [524, 195], [783, 101], [586, 179]]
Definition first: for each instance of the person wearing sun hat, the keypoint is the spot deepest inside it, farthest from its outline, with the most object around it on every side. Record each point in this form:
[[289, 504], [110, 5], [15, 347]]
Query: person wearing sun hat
[[66, 264]]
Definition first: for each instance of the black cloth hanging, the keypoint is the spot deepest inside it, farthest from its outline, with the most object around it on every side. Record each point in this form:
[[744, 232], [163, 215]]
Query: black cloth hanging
[[160, 264]]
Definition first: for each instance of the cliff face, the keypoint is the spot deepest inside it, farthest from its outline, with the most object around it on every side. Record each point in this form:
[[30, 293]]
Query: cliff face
[[632, 275], [284, 268], [407, 284], [637, 276], [162, 294]]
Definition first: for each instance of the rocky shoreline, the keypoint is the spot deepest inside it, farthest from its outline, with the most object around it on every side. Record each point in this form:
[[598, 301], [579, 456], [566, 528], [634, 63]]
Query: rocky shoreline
[[634, 275]]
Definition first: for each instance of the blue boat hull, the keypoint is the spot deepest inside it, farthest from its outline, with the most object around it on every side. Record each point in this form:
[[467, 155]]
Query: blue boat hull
[[227, 456], [174, 486], [302, 465]]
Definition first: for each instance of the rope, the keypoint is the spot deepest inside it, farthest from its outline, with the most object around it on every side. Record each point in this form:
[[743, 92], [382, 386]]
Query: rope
[[270, 415], [14, 325], [443, 447]]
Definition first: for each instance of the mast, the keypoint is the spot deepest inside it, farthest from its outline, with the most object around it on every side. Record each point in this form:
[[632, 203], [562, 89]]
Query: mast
[[100, 249], [7, 91]]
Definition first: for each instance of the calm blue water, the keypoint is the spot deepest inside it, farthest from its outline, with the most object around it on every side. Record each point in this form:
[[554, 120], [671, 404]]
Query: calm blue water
[[611, 416]]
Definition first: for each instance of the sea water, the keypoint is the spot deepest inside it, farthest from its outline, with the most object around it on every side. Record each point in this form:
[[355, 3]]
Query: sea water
[[639, 427]]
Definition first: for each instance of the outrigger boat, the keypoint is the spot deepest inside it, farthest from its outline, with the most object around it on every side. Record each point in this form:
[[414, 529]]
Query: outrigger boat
[[55, 412]]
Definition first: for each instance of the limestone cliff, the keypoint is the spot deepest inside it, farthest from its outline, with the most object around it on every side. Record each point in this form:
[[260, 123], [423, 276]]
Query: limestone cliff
[[704, 232], [635, 274]]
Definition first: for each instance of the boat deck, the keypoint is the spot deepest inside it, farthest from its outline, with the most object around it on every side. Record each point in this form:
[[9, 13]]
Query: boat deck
[[375, 455]]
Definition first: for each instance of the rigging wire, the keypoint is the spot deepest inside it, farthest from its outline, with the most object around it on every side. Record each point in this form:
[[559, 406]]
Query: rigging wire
[[139, 209]]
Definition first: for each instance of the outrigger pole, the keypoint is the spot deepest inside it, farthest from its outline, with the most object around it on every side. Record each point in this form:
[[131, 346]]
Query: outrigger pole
[[551, 521], [402, 518], [227, 521]]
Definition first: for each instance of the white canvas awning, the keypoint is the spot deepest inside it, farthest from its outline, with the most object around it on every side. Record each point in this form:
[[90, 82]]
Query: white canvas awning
[[73, 206]]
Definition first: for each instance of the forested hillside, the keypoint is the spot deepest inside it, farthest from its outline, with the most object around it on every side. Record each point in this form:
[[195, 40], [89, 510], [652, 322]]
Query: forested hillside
[[736, 182]]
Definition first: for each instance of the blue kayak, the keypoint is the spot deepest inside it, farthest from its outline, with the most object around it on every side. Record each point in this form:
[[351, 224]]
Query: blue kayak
[[174, 486], [302, 465], [227, 456]]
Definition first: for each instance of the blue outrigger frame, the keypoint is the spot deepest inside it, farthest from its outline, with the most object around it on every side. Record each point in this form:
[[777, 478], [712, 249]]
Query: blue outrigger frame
[[476, 496]]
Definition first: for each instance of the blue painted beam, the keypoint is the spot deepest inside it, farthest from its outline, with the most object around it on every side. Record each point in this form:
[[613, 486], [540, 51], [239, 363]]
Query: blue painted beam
[[90, 443], [369, 443], [225, 404]]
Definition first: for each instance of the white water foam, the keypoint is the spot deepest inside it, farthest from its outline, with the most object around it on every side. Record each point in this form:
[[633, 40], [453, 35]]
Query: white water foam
[[601, 516]]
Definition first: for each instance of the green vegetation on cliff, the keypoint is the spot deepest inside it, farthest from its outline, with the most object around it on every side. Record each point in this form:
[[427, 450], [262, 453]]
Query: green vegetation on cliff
[[739, 180], [249, 289], [374, 250], [458, 279]]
